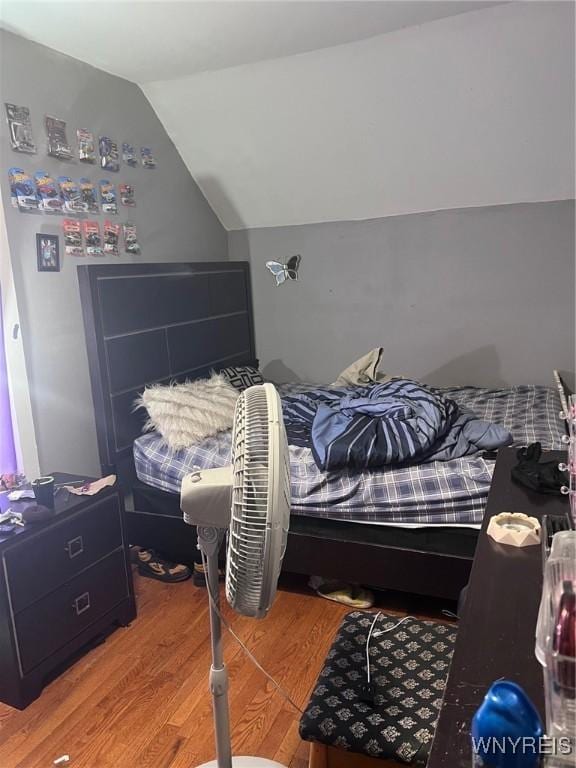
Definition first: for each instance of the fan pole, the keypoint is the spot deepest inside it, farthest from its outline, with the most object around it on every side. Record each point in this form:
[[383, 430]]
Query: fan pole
[[209, 540]]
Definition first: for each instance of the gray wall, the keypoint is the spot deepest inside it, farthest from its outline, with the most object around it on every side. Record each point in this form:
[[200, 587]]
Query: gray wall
[[467, 296], [173, 220]]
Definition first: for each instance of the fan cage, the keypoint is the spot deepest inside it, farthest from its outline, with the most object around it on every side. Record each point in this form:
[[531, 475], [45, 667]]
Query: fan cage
[[260, 501]]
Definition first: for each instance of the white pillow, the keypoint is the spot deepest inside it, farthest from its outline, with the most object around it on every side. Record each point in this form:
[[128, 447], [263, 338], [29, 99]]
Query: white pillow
[[185, 414]]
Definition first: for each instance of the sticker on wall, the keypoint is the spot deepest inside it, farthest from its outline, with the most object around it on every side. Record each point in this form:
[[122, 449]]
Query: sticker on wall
[[88, 196], [22, 190], [111, 237], [283, 272], [108, 197], [70, 194], [127, 195], [48, 253], [92, 238], [21, 138], [48, 194], [109, 154], [58, 145], [148, 160], [131, 244], [129, 154], [72, 237], [86, 146]]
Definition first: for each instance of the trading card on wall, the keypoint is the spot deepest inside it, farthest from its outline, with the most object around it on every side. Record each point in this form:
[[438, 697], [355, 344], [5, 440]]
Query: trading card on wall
[[20, 125], [128, 154], [127, 195], [22, 190], [148, 160], [86, 146], [92, 238], [108, 197], [111, 237], [71, 195], [48, 253], [109, 154], [48, 194], [88, 196], [72, 237], [58, 145], [131, 244]]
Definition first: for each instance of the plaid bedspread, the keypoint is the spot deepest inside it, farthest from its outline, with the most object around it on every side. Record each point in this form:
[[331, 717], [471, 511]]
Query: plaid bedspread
[[439, 493]]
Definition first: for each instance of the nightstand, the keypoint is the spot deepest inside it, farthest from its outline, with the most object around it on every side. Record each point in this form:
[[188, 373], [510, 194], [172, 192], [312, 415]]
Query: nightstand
[[64, 584]]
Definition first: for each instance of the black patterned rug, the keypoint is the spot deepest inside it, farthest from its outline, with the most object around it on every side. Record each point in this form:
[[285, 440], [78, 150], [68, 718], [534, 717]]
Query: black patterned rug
[[395, 718]]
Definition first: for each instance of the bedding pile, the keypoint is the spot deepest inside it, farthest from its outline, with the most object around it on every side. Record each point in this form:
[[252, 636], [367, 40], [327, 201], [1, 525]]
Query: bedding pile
[[394, 423]]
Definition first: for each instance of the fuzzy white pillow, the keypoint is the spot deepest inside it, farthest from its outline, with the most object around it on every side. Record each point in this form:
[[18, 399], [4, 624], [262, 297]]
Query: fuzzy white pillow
[[185, 414]]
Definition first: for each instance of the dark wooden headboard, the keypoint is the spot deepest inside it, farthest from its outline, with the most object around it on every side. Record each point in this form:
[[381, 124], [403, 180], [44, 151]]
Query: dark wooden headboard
[[148, 323]]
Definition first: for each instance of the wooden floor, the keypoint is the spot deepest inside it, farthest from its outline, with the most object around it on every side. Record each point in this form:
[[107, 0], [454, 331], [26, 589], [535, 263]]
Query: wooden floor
[[140, 699]]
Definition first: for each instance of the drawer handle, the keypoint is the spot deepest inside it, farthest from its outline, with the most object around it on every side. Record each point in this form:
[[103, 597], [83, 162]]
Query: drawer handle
[[74, 547], [81, 603]]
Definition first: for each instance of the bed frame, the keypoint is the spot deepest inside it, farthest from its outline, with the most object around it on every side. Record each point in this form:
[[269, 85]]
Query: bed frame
[[156, 323]]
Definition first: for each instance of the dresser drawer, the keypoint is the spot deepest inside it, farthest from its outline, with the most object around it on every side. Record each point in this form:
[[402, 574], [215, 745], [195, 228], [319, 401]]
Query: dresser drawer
[[39, 565], [54, 620]]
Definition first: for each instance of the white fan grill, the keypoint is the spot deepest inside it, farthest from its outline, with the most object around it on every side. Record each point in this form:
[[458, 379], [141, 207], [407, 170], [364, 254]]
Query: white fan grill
[[260, 501]]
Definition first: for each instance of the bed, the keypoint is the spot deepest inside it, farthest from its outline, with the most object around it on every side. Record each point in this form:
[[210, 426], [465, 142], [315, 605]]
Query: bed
[[412, 529], [440, 493]]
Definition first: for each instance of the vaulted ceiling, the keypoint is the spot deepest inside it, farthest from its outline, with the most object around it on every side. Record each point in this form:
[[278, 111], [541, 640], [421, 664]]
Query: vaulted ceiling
[[146, 40], [294, 112], [472, 110]]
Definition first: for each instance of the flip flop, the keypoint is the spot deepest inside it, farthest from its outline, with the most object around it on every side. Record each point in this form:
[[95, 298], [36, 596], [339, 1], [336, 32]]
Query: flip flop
[[347, 594], [152, 566], [199, 575]]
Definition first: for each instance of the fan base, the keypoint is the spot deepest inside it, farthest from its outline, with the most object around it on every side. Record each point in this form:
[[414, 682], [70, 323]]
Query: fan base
[[246, 762]]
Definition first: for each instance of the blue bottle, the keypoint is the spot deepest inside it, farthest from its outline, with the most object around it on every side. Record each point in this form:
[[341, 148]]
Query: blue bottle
[[506, 729]]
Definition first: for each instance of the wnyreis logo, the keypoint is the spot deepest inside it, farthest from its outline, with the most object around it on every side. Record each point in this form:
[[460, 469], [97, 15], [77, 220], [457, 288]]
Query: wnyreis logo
[[483, 746]]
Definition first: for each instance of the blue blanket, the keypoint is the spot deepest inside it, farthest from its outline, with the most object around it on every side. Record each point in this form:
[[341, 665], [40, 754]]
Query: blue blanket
[[396, 423]]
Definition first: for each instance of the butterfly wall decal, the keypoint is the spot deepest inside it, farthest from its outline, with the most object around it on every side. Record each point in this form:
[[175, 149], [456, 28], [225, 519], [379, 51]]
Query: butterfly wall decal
[[283, 272]]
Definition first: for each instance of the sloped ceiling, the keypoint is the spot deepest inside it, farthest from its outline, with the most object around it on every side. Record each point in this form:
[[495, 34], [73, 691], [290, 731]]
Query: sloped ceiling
[[472, 110], [368, 109], [144, 40]]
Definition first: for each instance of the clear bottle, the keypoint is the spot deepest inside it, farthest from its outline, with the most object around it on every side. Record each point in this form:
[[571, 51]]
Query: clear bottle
[[556, 647]]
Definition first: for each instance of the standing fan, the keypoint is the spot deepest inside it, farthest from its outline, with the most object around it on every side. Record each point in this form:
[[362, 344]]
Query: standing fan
[[251, 499]]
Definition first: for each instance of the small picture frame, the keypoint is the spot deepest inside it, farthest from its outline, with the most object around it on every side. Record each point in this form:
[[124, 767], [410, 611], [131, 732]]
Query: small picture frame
[[48, 252]]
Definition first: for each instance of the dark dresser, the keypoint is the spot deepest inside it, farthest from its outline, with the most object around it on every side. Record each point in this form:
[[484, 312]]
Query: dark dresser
[[64, 584], [496, 632]]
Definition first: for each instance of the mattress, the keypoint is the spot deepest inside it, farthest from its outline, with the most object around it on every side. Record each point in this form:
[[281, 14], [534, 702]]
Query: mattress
[[450, 493]]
